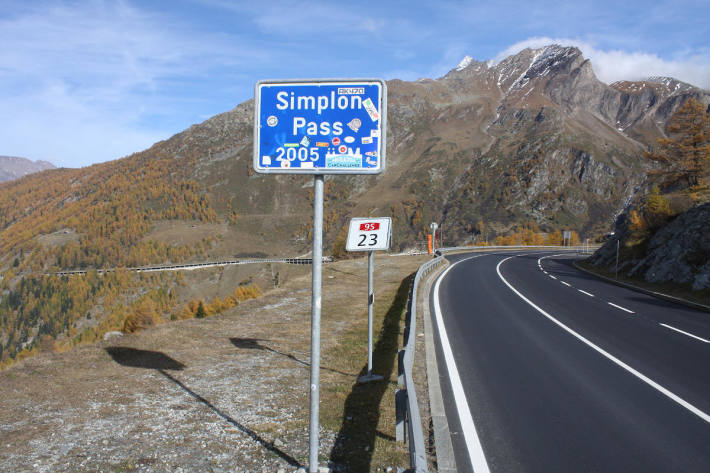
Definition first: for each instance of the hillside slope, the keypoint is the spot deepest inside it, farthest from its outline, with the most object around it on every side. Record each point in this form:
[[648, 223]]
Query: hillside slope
[[677, 253], [535, 138]]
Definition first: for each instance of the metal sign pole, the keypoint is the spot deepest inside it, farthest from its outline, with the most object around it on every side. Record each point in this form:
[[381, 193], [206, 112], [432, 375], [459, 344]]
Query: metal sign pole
[[315, 319], [370, 301]]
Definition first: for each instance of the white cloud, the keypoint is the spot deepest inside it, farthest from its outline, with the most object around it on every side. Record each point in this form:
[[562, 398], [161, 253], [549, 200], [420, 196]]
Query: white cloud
[[614, 65], [78, 82]]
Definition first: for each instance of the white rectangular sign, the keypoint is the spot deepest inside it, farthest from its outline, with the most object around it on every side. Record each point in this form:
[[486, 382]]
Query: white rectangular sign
[[369, 234]]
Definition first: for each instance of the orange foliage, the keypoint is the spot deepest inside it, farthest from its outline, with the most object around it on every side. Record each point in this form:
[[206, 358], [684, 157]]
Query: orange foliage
[[240, 294]]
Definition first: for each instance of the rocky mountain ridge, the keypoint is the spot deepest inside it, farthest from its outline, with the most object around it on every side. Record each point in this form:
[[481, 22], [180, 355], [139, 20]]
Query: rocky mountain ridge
[[12, 167], [535, 137]]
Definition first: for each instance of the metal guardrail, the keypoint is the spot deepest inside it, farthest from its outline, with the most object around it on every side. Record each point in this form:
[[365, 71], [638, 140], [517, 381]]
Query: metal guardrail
[[409, 422], [578, 248], [177, 267]]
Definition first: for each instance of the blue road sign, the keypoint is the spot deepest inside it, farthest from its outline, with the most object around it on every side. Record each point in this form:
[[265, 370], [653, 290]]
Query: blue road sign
[[320, 126]]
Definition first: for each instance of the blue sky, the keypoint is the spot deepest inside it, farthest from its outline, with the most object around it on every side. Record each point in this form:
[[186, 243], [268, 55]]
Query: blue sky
[[83, 82]]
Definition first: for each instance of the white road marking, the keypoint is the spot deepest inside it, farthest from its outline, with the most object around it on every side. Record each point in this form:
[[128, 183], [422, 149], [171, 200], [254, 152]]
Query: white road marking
[[585, 292], [686, 333], [566, 284], [704, 416], [552, 276], [622, 308], [473, 443]]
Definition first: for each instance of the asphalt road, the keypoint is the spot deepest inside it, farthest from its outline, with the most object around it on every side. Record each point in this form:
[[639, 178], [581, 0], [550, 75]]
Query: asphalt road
[[547, 369]]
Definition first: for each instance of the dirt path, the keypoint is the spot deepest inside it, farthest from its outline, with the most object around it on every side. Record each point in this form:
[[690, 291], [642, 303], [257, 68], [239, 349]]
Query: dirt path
[[222, 394]]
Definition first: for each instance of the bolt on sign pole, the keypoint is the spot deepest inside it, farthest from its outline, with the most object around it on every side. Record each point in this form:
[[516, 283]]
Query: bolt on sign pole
[[319, 127], [369, 234]]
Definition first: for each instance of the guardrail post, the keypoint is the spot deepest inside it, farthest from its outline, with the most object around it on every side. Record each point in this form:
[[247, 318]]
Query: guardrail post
[[400, 368], [400, 404]]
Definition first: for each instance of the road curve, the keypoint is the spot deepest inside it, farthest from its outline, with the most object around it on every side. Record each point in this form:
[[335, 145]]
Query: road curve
[[562, 372]]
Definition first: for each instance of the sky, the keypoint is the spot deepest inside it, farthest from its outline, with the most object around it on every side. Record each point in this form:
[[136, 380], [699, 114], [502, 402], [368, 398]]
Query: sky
[[83, 82]]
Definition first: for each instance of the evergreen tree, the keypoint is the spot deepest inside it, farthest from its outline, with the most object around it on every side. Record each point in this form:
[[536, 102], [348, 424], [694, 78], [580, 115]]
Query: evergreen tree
[[201, 313]]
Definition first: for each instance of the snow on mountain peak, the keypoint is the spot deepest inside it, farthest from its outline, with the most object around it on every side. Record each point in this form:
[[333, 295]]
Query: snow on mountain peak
[[465, 62]]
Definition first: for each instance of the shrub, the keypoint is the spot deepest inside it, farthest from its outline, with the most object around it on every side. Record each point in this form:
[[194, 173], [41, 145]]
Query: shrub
[[143, 315]]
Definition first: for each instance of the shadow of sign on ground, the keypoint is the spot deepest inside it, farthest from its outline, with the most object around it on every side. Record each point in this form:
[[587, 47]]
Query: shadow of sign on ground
[[136, 358], [253, 344], [355, 442]]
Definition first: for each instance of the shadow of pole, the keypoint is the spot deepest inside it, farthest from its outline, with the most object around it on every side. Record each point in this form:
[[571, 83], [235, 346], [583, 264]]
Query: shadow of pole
[[355, 441], [135, 358], [253, 435], [253, 344]]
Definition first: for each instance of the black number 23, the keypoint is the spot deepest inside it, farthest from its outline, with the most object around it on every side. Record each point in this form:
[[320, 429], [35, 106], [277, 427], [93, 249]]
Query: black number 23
[[372, 242]]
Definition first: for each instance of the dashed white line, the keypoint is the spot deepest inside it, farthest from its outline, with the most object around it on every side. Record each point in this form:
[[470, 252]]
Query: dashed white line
[[566, 284], [704, 416], [585, 292], [622, 308], [686, 333], [552, 276]]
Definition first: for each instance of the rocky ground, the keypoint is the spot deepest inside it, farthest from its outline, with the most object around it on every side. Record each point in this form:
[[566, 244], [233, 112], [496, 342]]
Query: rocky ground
[[224, 394], [678, 253]]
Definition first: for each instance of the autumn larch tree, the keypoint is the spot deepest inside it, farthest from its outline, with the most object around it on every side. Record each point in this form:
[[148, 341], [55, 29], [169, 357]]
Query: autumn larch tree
[[685, 153]]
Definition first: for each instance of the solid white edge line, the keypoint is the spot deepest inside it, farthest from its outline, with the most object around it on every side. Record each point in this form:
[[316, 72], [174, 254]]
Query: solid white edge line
[[622, 308], [611, 357], [585, 292], [686, 333], [473, 443]]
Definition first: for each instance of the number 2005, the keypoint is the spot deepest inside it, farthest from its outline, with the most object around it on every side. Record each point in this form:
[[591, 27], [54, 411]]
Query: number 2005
[[301, 153]]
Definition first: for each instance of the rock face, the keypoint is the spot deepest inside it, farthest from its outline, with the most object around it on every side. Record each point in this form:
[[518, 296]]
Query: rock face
[[14, 168], [677, 253]]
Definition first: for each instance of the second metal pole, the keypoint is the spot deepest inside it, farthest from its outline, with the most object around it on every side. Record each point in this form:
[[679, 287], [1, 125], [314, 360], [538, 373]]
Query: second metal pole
[[370, 301], [315, 320]]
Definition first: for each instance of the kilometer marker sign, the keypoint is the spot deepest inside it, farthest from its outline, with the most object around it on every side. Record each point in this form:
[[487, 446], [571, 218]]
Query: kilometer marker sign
[[294, 118], [369, 234]]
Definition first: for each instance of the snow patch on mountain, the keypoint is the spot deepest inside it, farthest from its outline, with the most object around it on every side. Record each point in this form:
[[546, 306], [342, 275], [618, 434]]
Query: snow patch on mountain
[[465, 62]]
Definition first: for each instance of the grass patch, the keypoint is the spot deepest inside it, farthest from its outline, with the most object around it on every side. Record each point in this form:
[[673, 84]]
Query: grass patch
[[363, 415]]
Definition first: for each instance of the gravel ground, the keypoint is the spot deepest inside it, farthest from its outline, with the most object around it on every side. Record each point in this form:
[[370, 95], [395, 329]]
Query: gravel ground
[[224, 394]]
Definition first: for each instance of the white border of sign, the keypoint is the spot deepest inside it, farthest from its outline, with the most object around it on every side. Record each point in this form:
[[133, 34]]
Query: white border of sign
[[352, 231], [257, 131]]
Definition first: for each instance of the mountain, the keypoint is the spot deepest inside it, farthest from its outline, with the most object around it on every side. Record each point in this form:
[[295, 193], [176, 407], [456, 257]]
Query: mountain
[[14, 168], [534, 140]]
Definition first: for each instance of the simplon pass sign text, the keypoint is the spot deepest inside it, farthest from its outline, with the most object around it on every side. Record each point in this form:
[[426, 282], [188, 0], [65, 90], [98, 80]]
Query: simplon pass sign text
[[320, 127]]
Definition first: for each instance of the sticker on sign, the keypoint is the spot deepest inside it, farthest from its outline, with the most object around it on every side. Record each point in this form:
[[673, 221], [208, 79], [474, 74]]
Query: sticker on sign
[[369, 234], [309, 113]]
